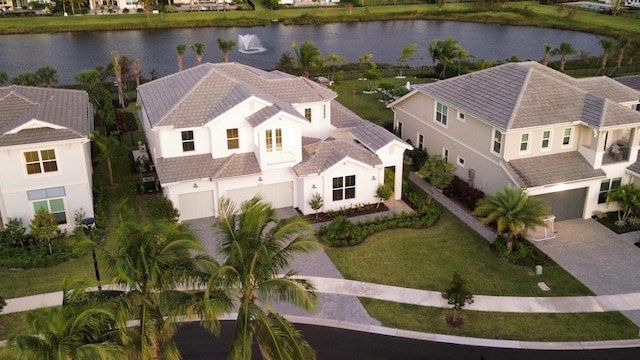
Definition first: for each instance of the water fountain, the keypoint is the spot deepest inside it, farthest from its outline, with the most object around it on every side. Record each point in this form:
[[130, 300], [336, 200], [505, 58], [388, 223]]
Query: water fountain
[[250, 44]]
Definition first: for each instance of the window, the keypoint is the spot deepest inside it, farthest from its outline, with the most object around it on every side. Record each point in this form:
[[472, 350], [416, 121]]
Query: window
[[524, 142], [441, 114], [546, 140], [497, 141], [233, 142], [307, 113], [324, 111], [445, 154], [42, 161], [606, 186], [566, 137], [637, 107], [460, 161], [278, 137], [344, 187], [420, 142], [187, 141], [461, 116], [399, 129], [51, 201]]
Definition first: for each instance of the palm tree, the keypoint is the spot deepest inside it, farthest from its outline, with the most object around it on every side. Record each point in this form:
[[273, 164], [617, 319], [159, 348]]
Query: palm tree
[[225, 46], [628, 198], [117, 72], [513, 211], [547, 53], [199, 49], [621, 46], [4, 77], [308, 55], [152, 260], [407, 54], [563, 50], [257, 248], [332, 60], [180, 50], [445, 52], [108, 146], [84, 327], [25, 79], [608, 45], [47, 76]]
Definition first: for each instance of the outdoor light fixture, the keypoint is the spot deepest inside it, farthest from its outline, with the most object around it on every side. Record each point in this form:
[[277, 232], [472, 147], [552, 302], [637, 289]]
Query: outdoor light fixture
[[260, 179], [313, 186], [373, 178], [195, 186]]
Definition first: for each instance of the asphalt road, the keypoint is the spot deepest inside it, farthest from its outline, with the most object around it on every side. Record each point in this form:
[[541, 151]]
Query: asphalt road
[[196, 343]]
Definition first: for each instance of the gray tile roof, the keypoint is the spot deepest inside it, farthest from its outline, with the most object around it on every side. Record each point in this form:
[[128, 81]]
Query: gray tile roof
[[528, 94], [197, 95], [635, 167], [66, 108], [196, 167], [632, 81], [553, 169], [322, 155]]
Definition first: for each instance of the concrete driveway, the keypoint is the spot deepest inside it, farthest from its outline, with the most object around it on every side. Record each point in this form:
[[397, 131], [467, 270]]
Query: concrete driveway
[[607, 263], [330, 306]]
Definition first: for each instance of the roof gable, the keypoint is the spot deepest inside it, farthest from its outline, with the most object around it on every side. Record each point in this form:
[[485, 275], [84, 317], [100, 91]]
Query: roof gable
[[322, 155]]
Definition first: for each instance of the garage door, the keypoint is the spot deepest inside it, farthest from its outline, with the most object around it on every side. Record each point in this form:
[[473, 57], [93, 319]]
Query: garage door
[[196, 205], [566, 204], [279, 195]]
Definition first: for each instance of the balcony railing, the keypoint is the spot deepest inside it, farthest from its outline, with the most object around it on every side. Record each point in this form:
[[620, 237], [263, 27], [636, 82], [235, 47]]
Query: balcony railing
[[281, 156]]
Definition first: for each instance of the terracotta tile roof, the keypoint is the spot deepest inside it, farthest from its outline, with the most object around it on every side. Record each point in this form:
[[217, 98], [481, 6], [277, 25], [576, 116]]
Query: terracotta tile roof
[[69, 109], [553, 169]]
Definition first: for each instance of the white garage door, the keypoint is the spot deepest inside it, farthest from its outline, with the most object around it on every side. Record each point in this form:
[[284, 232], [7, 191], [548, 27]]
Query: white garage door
[[196, 205], [279, 195]]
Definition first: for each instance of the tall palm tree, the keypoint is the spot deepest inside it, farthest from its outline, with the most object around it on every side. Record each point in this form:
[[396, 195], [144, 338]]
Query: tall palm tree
[[257, 248], [332, 60], [117, 72], [180, 50], [445, 52], [513, 211], [608, 46], [564, 50], [309, 56], [406, 55], [108, 146], [47, 76], [152, 260], [199, 49], [621, 46], [547, 53], [83, 328], [225, 46]]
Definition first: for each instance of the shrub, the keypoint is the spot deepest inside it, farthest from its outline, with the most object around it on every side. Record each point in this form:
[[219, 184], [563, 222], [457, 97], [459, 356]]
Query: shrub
[[34, 255], [524, 253], [462, 192], [14, 233], [159, 207]]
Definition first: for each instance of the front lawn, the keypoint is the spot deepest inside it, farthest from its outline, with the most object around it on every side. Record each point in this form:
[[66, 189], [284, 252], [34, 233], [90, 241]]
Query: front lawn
[[427, 258], [513, 326]]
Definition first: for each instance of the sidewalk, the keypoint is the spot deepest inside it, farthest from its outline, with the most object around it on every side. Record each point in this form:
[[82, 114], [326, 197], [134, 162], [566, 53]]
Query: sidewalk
[[511, 304]]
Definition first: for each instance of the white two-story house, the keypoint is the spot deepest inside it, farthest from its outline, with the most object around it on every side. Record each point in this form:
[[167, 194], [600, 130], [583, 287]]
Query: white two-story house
[[45, 153], [232, 131], [569, 141]]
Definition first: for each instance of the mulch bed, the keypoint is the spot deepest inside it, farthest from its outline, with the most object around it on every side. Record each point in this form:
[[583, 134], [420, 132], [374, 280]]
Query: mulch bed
[[323, 217]]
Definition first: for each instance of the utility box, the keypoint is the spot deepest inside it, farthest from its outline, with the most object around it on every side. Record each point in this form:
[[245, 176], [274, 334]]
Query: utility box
[[538, 269]]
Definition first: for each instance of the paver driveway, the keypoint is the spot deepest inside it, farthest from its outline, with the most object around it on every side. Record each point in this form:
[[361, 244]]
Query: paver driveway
[[607, 263]]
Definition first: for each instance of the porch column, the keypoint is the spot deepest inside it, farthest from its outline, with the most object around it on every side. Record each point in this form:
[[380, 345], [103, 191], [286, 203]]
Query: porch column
[[397, 186]]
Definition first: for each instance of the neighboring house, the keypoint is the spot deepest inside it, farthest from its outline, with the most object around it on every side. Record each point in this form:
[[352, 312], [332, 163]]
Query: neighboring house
[[569, 141], [632, 81], [230, 130], [45, 153]]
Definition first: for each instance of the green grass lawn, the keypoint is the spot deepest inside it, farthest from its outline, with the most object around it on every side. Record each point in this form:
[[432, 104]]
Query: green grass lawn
[[427, 258], [513, 326]]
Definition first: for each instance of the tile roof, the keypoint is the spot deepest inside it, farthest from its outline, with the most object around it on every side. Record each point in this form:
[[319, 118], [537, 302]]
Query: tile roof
[[528, 94], [635, 167], [321, 155], [69, 109], [553, 169], [197, 95], [632, 81], [196, 167]]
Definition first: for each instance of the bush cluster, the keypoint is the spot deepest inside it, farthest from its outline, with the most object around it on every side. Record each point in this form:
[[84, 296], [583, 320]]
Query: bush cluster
[[34, 255], [460, 191], [523, 253], [342, 232]]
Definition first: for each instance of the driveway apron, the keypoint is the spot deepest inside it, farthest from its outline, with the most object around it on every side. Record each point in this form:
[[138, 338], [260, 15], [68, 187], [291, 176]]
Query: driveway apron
[[605, 262]]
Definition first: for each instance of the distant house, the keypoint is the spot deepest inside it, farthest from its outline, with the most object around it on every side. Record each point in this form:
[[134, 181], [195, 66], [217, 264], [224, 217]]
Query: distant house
[[632, 81], [232, 131], [568, 141], [45, 153]]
